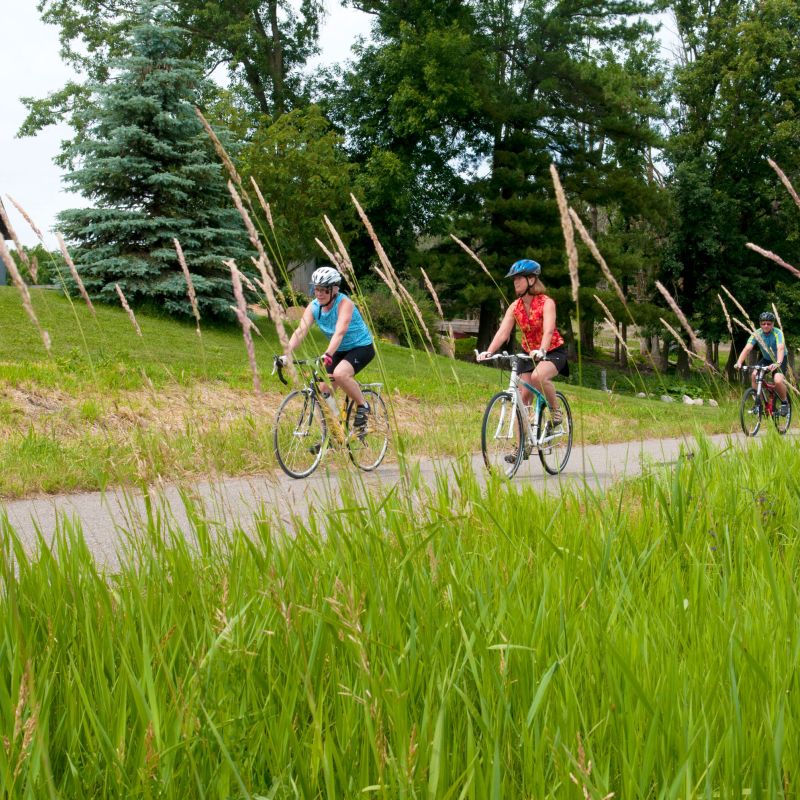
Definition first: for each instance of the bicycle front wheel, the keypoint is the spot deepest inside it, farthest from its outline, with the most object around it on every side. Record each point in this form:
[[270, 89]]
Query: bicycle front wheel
[[750, 412], [368, 447], [782, 423], [556, 443], [300, 435], [502, 435]]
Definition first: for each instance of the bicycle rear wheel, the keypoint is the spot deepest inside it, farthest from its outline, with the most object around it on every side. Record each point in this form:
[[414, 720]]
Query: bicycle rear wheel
[[367, 448], [750, 412], [300, 434], [502, 435], [782, 423], [557, 440]]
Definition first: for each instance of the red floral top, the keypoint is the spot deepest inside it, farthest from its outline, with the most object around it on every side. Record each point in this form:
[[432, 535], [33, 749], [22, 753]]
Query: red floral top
[[532, 326]]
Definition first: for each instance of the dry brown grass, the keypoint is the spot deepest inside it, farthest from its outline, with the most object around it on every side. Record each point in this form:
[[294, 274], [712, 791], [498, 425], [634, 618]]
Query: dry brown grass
[[204, 406]]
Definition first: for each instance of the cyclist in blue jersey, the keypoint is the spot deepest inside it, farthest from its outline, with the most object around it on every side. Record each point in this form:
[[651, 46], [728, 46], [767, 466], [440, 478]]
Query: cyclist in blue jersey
[[350, 347], [773, 355]]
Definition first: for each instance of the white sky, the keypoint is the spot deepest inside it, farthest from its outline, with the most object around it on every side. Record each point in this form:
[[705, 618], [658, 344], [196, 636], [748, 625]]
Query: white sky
[[30, 66]]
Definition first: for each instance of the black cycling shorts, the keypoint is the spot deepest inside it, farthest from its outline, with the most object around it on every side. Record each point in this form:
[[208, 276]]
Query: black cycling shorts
[[558, 356], [359, 357], [783, 367]]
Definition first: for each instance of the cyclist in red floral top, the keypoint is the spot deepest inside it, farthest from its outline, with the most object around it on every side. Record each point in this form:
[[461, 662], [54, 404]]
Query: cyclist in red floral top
[[535, 313]]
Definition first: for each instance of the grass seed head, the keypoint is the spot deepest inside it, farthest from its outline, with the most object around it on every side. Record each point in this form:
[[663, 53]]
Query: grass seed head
[[244, 321], [74, 272], [189, 284], [26, 217], [128, 309], [25, 295], [785, 181], [569, 233]]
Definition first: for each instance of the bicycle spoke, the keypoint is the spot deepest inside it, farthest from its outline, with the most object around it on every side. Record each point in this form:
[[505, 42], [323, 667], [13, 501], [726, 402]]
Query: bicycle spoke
[[750, 412], [300, 435], [368, 446], [502, 435], [556, 442], [782, 422]]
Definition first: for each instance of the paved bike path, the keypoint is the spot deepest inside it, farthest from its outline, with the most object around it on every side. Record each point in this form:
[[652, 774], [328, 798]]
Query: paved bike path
[[105, 516]]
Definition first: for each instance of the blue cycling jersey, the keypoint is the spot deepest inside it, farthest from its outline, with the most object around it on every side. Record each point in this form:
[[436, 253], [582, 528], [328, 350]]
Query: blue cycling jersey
[[357, 333], [768, 343]]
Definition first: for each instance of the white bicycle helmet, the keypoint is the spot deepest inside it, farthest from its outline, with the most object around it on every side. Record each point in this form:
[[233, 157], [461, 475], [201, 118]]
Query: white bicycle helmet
[[326, 276]]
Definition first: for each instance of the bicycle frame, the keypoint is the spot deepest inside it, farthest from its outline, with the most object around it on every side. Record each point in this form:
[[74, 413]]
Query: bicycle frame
[[336, 424], [535, 432], [765, 389]]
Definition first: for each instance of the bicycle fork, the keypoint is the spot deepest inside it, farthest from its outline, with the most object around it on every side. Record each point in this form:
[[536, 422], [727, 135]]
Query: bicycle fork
[[538, 434]]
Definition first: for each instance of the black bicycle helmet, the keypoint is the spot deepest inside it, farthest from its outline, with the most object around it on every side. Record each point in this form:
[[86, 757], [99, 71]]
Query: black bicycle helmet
[[766, 316]]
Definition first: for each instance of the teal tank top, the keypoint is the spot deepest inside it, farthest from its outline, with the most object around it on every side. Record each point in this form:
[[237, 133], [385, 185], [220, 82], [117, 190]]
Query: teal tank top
[[356, 335]]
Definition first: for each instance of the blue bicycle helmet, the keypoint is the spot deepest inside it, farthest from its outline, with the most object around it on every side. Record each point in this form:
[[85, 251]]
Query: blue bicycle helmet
[[525, 266]]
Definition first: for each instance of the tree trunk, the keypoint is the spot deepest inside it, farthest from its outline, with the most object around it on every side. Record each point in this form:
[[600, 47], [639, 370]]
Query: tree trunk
[[660, 351], [276, 61], [623, 351], [738, 343], [587, 337], [682, 366], [487, 323], [569, 339]]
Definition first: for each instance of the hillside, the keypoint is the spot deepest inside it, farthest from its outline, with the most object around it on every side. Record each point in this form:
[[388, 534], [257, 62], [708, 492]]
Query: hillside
[[107, 407]]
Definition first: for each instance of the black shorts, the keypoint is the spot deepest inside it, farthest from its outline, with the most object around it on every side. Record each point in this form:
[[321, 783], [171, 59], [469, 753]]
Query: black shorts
[[783, 367], [358, 357], [558, 356]]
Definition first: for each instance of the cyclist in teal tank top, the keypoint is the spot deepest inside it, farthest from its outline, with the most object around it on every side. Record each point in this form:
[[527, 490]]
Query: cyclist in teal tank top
[[350, 346], [771, 343]]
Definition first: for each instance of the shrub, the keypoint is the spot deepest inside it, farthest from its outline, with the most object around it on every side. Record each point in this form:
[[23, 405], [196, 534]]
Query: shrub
[[402, 324], [465, 348]]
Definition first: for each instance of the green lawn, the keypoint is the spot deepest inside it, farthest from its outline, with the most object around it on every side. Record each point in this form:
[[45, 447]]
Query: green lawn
[[110, 408]]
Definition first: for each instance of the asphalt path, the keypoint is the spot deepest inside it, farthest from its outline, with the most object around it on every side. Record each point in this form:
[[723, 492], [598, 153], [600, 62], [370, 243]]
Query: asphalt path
[[107, 518]]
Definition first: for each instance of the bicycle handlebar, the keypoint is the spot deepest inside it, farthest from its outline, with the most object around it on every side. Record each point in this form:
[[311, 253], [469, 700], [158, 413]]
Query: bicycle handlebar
[[507, 356], [278, 365], [755, 368]]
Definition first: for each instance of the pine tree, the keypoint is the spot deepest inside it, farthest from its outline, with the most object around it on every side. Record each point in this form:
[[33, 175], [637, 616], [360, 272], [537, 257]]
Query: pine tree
[[152, 175]]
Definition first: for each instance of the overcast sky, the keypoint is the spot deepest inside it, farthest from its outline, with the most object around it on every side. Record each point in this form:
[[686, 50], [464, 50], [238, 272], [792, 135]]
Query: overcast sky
[[30, 66]]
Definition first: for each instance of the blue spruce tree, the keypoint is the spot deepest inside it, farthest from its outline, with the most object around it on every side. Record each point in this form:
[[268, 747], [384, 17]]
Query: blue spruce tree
[[150, 171]]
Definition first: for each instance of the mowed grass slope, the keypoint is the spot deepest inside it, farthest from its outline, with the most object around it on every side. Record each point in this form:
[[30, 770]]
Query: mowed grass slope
[[107, 407]]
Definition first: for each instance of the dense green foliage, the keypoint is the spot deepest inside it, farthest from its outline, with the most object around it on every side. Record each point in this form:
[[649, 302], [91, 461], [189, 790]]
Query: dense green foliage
[[461, 641], [447, 88], [50, 266], [263, 43], [149, 169], [450, 114], [300, 164], [737, 95]]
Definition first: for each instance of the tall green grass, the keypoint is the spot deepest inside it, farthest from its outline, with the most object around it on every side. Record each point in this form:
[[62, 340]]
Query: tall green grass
[[450, 641]]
